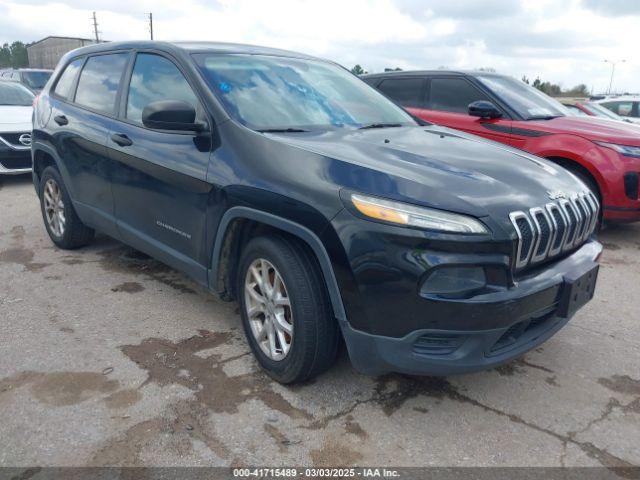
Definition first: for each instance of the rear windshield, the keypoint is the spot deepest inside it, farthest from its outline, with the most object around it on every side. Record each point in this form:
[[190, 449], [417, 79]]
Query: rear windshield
[[268, 92], [12, 93], [36, 80]]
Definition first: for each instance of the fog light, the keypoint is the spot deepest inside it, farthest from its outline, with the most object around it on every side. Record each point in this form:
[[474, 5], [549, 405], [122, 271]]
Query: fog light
[[454, 281]]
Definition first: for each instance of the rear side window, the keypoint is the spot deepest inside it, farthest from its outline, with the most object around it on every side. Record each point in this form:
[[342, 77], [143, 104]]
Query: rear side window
[[99, 82], [408, 92], [65, 83], [453, 95], [155, 78]]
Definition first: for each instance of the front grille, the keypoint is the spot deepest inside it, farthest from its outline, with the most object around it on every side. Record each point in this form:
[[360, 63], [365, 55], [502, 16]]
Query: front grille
[[545, 232], [13, 139], [15, 160]]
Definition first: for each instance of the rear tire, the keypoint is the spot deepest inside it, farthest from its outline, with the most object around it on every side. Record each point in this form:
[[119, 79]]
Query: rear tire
[[63, 225], [294, 310]]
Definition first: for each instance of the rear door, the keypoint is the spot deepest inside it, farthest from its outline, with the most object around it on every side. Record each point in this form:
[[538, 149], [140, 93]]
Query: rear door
[[448, 100], [83, 112], [159, 180], [408, 92]]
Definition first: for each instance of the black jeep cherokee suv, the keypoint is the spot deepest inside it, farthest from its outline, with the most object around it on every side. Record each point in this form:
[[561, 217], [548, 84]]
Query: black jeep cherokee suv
[[287, 183]]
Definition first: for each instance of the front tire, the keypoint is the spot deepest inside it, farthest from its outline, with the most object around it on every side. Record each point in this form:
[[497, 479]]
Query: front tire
[[63, 225], [285, 309]]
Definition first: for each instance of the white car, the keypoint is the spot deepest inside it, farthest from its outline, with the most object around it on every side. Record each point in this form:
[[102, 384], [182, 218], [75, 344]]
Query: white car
[[16, 107], [627, 106]]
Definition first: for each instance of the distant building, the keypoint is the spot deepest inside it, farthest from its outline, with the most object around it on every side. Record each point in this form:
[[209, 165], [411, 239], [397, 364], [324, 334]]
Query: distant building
[[47, 52]]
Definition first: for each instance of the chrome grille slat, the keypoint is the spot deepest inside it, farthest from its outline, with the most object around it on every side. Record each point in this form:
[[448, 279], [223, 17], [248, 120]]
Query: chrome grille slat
[[547, 231]]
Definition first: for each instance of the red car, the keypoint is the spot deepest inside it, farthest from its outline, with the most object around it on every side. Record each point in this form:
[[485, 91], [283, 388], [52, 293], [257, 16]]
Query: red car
[[592, 109], [604, 154]]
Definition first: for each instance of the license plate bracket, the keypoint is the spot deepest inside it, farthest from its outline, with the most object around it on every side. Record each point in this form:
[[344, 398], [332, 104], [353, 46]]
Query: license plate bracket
[[578, 289]]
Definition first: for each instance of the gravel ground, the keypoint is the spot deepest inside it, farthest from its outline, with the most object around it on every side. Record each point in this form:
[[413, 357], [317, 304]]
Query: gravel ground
[[110, 358]]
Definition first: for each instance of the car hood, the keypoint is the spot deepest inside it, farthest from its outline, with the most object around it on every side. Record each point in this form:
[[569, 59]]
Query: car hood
[[15, 118], [439, 167], [591, 128]]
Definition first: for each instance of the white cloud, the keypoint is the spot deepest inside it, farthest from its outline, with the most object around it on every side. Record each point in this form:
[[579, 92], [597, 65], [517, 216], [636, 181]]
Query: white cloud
[[561, 41]]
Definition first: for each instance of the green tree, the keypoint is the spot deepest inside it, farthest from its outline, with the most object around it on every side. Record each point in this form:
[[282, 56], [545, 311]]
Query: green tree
[[5, 56], [525, 79], [358, 70], [19, 57], [579, 91]]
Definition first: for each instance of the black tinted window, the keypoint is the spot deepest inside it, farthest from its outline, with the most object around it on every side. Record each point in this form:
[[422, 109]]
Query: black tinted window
[[99, 81], [453, 95], [407, 92], [155, 78], [65, 83]]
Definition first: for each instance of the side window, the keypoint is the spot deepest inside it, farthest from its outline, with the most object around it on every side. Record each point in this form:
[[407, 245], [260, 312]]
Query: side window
[[65, 82], [155, 78], [621, 108], [408, 92], [453, 95], [99, 81]]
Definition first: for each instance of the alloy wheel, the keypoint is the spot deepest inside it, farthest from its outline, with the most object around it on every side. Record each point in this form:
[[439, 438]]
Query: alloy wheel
[[268, 309], [54, 207]]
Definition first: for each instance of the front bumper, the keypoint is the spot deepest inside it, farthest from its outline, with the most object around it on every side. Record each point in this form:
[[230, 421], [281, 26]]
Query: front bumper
[[514, 322]]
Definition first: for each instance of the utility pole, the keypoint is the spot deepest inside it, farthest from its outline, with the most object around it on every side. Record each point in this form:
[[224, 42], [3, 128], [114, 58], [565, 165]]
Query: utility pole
[[151, 24], [613, 69], [95, 27]]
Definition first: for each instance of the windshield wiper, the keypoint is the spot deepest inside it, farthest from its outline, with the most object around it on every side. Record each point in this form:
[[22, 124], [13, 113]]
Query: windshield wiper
[[545, 117], [380, 125], [282, 130]]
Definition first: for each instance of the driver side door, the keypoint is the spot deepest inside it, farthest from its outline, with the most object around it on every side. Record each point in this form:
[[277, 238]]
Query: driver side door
[[159, 183], [447, 103]]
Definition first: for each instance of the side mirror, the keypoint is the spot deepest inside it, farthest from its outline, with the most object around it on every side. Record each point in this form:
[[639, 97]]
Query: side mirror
[[171, 115], [484, 109]]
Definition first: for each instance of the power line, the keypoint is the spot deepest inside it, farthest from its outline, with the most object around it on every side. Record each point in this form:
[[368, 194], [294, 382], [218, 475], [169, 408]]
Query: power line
[[95, 27]]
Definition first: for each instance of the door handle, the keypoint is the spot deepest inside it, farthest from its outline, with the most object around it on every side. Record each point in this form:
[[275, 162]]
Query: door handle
[[60, 120], [121, 139]]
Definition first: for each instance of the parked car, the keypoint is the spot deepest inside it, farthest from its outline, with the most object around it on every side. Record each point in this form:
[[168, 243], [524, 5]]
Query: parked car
[[626, 106], [604, 154], [584, 108], [15, 128], [32, 78], [285, 182]]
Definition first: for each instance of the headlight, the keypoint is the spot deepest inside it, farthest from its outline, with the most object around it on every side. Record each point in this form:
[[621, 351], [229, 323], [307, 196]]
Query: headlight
[[626, 150], [410, 215]]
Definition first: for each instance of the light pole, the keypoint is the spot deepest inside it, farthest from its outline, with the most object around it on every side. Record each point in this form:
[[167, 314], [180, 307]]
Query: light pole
[[613, 69]]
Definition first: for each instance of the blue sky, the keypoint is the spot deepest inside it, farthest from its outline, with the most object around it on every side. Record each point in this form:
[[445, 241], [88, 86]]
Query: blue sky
[[561, 41]]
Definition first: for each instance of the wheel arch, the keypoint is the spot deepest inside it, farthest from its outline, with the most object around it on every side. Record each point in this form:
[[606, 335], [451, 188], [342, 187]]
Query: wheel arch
[[43, 157], [576, 166], [229, 234]]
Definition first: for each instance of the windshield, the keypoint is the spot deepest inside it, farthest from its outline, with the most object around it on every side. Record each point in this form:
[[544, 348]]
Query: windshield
[[601, 111], [12, 93], [530, 103], [36, 80], [273, 93]]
